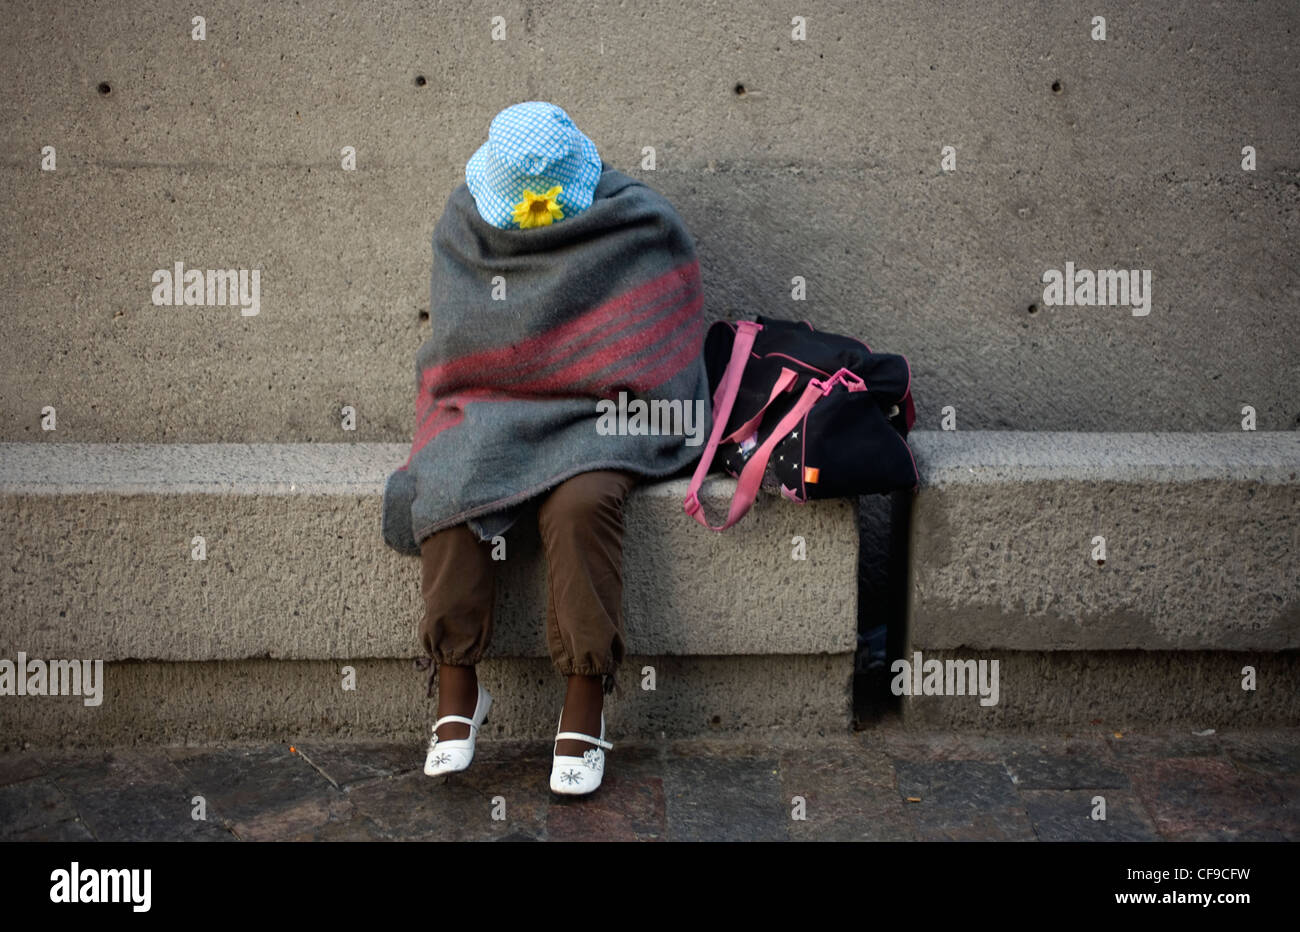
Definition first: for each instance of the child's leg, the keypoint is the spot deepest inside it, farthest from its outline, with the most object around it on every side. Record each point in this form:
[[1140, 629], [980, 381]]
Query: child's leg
[[457, 576], [581, 524]]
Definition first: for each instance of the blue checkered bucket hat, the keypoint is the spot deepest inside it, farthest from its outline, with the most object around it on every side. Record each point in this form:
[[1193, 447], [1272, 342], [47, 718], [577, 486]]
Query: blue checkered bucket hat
[[532, 145]]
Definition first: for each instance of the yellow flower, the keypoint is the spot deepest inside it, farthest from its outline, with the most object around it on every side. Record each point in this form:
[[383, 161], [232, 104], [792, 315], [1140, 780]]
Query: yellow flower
[[538, 210]]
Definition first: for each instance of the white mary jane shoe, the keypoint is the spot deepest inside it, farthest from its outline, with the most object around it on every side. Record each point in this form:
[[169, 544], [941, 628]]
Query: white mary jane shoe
[[578, 776], [450, 756]]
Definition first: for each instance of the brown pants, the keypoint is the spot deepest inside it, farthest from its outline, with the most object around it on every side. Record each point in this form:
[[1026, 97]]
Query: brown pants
[[581, 525]]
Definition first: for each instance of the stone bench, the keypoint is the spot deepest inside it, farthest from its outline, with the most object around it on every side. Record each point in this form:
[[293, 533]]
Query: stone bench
[[297, 584], [1200, 577]]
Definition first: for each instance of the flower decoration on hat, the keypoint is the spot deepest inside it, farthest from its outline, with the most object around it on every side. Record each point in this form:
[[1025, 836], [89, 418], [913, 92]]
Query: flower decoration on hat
[[538, 210]]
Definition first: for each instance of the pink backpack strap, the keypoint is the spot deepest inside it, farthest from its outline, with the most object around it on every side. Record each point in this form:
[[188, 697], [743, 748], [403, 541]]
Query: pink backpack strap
[[751, 477], [723, 400], [783, 383]]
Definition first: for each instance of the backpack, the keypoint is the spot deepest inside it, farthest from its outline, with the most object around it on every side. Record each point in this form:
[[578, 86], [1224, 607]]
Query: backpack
[[803, 413]]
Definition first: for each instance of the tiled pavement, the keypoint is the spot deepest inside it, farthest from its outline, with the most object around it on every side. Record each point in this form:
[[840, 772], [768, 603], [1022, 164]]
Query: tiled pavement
[[884, 783]]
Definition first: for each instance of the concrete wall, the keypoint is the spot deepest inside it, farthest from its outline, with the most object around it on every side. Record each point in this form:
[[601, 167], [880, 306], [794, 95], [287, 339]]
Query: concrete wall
[[817, 158]]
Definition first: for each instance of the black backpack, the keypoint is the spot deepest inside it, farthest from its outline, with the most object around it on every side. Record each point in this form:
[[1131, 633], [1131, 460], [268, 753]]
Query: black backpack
[[803, 413]]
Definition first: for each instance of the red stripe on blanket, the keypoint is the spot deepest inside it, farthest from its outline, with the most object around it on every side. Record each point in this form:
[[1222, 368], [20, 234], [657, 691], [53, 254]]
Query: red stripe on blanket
[[546, 348], [623, 310], [551, 346], [682, 353], [639, 375], [439, 406], [580, 375], [516, 379]]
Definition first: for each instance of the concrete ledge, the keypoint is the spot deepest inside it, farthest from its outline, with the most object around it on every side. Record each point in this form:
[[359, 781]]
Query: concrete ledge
[[1201, 535], [296, 567], [1119, 691], [988, 457], [199, 703]]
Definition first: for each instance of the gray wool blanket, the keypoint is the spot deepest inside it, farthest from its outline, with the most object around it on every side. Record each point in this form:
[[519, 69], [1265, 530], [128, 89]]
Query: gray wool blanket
[[555, 350]]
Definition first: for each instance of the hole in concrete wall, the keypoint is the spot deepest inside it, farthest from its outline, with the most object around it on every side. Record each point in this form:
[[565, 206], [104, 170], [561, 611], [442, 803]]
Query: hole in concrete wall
[[1056, 87], [424, 315], [717, 719], [420, 80], [1033, 308], [104, 88], [739, 90]]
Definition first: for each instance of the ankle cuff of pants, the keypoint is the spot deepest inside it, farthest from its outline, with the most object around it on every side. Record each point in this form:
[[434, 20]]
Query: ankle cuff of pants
[[459, 660], [433, 663], [608, 681]]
